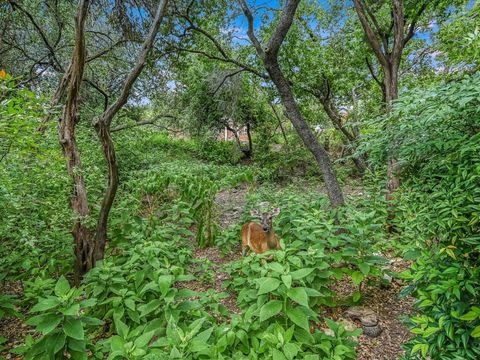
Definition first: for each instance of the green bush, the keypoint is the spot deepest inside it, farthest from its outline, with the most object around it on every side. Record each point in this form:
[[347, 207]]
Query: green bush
[[435, 136]]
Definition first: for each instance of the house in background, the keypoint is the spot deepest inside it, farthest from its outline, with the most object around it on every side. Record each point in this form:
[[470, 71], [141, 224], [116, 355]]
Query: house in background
[[227, 134]]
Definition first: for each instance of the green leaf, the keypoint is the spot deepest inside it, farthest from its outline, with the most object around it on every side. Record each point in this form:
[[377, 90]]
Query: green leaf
[[204, 335], [356, 296], [299, 295], [275, 266], [278, 355], [290, 350], [45, 304], [72, 310], [76, 345], [364, 268], [164, 282], [300, 274], [121, 327], [91, 321], [471, 315], [130, 304], [148, 308], [268, 285], [475, 332], [287, 280], [49, 323], [55, 342], [73, 328], [62, 287], [420, 347], [429, 331], [357, 277], [116, 343], [298, 317], [270, 309], [144, 339]]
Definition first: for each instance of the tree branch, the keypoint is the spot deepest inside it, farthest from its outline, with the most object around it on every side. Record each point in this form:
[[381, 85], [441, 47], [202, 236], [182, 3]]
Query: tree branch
[[371, 37], [42, 34], [413, 24], [281, 30], [141, 60], [250, 30], [100, 90], [372, 72], [222, 59], [398, 29], [225, 79]]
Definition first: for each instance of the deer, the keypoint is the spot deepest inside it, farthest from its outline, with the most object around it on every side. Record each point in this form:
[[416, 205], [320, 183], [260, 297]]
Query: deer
[[260, 238]]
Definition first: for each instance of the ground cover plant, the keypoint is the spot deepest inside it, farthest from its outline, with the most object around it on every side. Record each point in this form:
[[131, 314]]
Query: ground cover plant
[[136, 138]]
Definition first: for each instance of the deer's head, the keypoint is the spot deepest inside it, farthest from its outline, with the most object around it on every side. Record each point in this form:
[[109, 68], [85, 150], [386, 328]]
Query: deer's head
[[265, 217]]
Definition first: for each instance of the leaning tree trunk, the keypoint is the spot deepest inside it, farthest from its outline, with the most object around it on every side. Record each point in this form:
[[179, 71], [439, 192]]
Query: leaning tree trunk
[[350, 139], [293, 112], [103, 128]]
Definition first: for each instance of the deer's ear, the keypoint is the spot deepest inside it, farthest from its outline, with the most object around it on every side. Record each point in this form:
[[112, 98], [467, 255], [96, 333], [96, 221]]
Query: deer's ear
[[276, 211], [254, 213]]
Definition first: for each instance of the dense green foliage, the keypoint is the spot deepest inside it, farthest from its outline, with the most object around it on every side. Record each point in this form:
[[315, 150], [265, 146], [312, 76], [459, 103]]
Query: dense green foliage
[[184, 191], [435, 136]]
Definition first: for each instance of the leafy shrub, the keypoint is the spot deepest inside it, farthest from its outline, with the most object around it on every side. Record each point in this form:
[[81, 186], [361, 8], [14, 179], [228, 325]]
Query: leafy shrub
[[218, 152], [435, 136], [61, 323]]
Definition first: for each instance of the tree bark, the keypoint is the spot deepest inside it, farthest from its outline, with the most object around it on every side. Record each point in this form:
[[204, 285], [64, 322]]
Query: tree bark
[[269, 57], [103, 128], [293, 112], [249, 151], [66, 131], [103, 132], [389, 58], [90, 244]]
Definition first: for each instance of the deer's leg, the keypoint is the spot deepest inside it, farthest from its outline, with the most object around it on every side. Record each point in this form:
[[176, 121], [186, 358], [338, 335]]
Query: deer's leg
[[244, 250]]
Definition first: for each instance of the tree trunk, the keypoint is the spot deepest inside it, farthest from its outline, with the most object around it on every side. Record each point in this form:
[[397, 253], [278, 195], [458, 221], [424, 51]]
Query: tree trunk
[[104, 135], [293, 112], [249, 151], [82, 235], [390, 81], [350, 139], [391, 94], [279, 123]]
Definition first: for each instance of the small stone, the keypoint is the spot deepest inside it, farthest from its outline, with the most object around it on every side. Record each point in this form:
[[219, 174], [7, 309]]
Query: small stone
[[372, 331], [387, 278], [347, 324], [328, 332]]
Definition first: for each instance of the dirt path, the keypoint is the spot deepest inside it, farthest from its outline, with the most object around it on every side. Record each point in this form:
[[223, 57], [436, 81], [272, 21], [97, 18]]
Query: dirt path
[[230, 204], [384, 301], [388, 307]]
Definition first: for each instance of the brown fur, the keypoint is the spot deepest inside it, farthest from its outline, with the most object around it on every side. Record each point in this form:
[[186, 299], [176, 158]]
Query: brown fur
[[260, 241]]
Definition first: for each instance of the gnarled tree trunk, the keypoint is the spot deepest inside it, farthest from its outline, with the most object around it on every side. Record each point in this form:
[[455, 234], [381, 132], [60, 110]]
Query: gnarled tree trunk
[[66, 131], [90, 243]]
